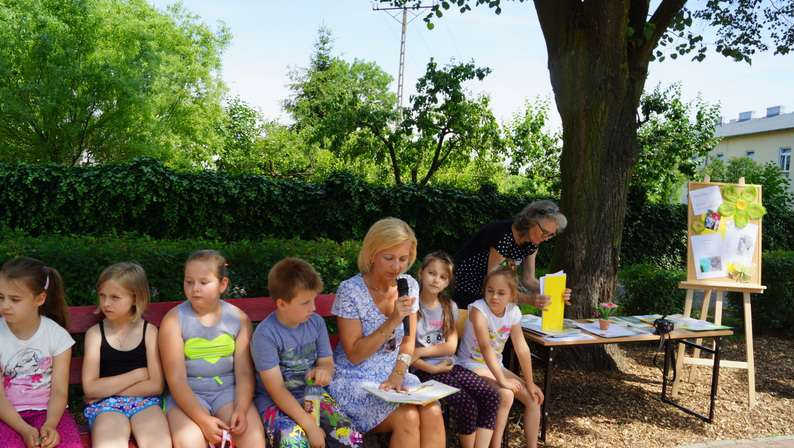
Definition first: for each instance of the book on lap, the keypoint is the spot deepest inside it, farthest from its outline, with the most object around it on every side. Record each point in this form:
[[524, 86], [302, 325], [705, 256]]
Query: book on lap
[[423, 394]]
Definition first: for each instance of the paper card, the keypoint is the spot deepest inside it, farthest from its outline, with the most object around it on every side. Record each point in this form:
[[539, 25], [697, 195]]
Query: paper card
[[707, 252], [553, 285], [739, 244], [705, 199]]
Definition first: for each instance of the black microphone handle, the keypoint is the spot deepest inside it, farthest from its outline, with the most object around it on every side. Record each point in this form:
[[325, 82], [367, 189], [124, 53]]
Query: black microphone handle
[[402, 290]]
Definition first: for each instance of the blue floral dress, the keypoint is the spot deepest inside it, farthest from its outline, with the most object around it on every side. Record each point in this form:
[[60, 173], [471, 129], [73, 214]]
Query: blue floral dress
[[367, 411]]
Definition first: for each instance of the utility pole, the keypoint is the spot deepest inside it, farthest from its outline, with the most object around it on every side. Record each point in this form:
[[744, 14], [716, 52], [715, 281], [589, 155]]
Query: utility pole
[[401, 70]]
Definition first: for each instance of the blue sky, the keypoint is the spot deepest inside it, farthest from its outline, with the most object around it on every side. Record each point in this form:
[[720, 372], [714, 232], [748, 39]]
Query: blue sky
[[272, 36]]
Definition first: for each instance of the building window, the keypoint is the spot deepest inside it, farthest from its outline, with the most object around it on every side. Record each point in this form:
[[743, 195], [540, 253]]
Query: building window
[[784, 161], [750, 154]]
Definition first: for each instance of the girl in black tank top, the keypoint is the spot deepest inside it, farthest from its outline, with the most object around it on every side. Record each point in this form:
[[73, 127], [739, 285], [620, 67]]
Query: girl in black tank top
[[127, 380], [114, 362]]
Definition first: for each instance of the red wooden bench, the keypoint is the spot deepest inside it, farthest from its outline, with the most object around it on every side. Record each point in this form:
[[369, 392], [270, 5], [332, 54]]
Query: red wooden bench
[[81, 318]]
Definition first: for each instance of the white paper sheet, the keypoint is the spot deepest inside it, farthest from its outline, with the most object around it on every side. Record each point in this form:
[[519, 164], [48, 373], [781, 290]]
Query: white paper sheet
[[707, 251], [705, 199], [740, 244]]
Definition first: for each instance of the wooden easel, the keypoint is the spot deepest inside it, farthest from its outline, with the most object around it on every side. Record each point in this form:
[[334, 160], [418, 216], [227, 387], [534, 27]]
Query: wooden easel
[[719, 286]]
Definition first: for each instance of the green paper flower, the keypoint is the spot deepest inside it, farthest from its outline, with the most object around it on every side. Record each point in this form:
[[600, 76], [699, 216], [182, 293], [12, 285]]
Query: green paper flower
[[742, 204]]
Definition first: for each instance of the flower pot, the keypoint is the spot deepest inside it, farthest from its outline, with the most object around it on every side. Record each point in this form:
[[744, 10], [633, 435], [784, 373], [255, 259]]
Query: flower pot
[[603, 324]]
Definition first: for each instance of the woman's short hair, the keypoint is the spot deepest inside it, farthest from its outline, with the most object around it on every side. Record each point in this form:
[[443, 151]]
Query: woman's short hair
[[537, 210], [131, 277], [384, 234]]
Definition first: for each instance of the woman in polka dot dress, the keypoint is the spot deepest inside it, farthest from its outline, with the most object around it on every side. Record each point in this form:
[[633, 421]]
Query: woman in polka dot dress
[[517, 242], [474, 408]]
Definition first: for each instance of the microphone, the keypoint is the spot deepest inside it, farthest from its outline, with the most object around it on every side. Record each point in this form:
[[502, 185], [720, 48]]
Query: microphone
[[402, 290]]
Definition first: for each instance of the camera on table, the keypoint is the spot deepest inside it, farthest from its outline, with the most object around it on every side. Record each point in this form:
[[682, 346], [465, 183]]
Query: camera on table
[[662, 326]]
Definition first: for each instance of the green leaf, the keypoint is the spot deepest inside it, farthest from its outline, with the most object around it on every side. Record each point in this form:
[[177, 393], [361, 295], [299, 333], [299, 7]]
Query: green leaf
[[740, 219], [755, 210], [727, 209], [748, 194]]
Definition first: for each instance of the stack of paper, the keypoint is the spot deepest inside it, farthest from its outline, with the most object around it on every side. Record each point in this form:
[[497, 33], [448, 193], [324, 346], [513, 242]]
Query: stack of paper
[[534, 324], [614, 331]]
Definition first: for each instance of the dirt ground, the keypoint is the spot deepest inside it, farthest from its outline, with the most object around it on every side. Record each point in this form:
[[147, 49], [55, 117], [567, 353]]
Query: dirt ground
[[623, 408]]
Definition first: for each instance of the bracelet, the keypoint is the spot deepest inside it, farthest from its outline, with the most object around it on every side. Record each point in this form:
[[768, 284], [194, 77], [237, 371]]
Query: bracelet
[[405, 358]]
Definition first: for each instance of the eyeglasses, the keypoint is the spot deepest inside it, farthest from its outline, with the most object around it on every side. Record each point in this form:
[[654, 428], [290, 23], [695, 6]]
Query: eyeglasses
[[546, 234]]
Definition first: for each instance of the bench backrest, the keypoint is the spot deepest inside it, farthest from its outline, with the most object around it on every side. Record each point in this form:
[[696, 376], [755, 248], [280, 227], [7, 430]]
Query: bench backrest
[[81, 318]]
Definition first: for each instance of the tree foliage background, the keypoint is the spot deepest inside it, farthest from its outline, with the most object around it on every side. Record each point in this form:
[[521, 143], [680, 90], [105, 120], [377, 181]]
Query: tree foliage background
[[93, 81]]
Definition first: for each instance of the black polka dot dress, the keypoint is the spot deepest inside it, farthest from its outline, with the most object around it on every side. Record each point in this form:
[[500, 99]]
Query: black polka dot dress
[[471, 262]]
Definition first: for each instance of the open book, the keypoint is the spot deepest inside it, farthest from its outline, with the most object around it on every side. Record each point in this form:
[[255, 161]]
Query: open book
[[425, 393]]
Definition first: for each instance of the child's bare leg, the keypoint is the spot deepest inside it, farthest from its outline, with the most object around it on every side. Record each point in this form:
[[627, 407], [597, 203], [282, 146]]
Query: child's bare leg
[[254, 434], [150, 428], [111, 430], [467, 440], [531, 416], [185, 433]]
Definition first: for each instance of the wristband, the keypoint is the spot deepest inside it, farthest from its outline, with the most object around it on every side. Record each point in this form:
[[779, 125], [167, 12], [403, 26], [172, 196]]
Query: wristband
[[405, 358]]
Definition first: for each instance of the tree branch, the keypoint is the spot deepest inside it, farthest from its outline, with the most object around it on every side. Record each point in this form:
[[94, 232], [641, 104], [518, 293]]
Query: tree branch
[[392, 153], [661, 20]]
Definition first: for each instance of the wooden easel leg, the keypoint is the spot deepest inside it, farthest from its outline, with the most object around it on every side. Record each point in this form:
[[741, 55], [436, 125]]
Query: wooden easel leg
[[704, 314], [679, 360], [748, 335]]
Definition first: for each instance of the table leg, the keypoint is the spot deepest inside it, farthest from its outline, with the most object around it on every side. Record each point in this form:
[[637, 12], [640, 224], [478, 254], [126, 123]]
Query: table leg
[[544, 409], [715, 377]]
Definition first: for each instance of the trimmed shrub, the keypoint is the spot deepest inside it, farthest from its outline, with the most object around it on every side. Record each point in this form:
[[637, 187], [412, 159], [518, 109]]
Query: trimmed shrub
[[81, 259], [645, 288], [773, 311], [147, 199]]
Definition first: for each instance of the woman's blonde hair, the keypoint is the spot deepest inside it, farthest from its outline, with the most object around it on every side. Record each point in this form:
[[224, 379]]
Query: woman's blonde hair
[[384, 234], [131, 277]]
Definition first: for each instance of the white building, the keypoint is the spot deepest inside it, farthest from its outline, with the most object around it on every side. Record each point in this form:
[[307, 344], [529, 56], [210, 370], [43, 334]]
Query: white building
[[765, 139]]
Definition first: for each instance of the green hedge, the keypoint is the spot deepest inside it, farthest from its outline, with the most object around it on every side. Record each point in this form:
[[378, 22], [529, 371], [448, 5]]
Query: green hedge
[[146, 198], [774, 309], [645, 288], [80, 260]]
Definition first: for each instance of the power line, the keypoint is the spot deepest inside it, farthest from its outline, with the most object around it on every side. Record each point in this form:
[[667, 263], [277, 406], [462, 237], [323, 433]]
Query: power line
[[404, 21]]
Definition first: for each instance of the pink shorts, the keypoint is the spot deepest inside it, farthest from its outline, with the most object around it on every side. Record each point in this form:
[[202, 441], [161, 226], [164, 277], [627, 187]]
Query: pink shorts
[[67, 429]]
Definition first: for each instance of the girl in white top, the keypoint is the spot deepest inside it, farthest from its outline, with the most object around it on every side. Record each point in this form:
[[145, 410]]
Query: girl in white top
[[491, 321], [35, 351]]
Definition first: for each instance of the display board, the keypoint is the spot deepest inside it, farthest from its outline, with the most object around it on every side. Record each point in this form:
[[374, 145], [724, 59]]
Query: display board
[[724, 233], [723, 255]]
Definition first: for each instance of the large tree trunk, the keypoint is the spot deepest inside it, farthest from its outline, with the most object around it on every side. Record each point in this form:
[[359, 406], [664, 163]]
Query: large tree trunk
[[598, 76]]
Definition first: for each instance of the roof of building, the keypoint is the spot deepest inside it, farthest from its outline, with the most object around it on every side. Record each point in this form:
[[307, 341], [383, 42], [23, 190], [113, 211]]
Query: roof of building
[[756, 125]]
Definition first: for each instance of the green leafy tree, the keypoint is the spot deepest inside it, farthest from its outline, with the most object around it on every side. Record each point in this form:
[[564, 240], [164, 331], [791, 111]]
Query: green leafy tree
[[598, 59], [775, 185], [447, 127], [347, 108], [533, 151], [674, 138], [241, 130], [85, 81]]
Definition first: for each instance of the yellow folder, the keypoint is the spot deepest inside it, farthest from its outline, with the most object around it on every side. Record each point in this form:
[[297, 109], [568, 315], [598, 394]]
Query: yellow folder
[[553, 285]]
